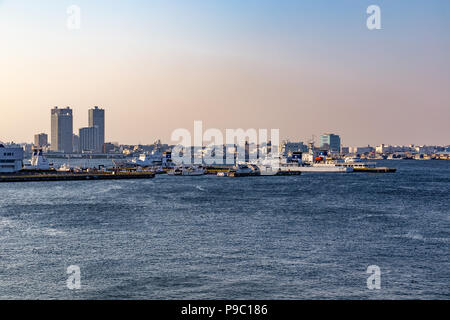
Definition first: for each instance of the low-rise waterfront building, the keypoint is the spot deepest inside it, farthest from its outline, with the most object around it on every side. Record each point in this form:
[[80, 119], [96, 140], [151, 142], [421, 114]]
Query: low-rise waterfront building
[[361, 150], [11, 159]]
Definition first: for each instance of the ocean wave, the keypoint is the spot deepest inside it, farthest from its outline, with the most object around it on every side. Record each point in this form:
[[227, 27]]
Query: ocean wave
[[110, 188], [199, 188], [414, 235], [24, 228]]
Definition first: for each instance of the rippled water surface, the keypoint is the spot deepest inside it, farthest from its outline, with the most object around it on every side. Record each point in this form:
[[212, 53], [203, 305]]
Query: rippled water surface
[[302, 237]]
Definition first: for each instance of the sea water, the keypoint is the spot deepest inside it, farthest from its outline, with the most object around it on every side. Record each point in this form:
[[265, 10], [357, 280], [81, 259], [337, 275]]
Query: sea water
[[298, 237]]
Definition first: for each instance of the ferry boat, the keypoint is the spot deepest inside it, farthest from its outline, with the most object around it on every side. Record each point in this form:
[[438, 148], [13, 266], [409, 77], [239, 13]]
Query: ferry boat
[[311, 163], [315, 168], [365, 167], [319, 162]]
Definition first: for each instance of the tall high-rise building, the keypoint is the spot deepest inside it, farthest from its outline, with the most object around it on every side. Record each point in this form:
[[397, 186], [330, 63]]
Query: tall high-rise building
[[40, 140], [331, 142], [89, 139], [62, 130], [97, 118]]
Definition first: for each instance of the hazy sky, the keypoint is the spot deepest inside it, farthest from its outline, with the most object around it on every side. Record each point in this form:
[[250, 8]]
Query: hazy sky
[[305, 67]]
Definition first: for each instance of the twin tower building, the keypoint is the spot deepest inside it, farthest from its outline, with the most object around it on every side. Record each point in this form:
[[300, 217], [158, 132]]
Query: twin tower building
[[90, 139]]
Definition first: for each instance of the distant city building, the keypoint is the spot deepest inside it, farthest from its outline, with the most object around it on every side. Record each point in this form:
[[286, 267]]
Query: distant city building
[[288, 148], [76, 143], [62, 130], [40, 140], [425, 149], [361, 150], [89, 139], [97, 118], [108, 147], [330, 142], [383, 149]]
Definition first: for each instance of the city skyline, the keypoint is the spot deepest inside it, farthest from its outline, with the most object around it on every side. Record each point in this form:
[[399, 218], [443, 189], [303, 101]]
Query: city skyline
[[303, 68], [95, 135]]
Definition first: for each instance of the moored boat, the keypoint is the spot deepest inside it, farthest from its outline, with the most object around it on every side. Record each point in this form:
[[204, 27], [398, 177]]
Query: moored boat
[[38, 162], [242, 170], [193, 171]]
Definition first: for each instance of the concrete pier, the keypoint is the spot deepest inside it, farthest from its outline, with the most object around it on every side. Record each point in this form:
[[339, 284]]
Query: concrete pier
[[75, 176]]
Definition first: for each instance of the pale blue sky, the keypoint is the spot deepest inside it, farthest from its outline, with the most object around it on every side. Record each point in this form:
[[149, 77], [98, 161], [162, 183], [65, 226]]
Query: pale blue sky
[[304, 67]]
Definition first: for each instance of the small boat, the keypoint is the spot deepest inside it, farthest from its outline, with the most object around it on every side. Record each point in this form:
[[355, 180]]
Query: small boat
[[193, 171], [241, 170], [268, 170], [352, 159], [365, 167], [146, 160], [65, 168]]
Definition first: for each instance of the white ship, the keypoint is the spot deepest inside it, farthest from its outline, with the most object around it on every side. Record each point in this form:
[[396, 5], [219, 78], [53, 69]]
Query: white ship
[[317, 168], [193, 171], [38, 161], [265, 167], [352, 159], [310, 162], [11, 159], [242, 170], [146, 160]]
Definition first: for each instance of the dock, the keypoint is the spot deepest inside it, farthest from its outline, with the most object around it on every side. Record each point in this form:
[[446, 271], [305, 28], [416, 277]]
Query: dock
[[374, 170], [109, 175]]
